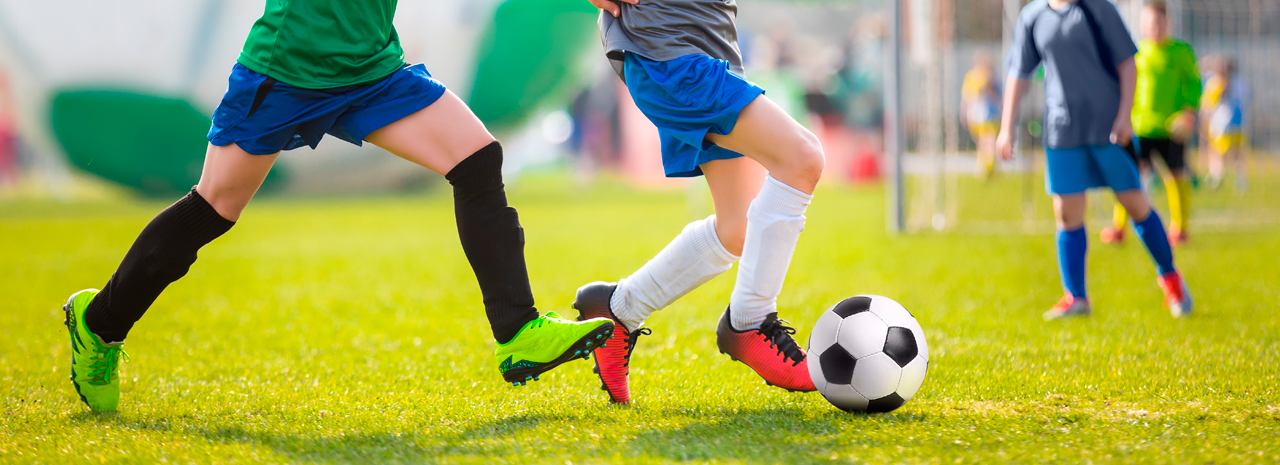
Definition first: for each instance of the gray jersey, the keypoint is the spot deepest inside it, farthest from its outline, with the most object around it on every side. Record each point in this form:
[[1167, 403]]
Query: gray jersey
[[1082, 98], [663, 30]]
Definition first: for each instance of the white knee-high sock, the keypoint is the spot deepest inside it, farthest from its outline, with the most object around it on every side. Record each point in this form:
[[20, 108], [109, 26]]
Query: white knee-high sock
[[690, 260], [774, 222]]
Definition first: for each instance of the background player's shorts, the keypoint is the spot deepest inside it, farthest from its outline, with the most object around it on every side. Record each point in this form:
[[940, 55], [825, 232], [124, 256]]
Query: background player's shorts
[[1225, 142], [264, 116], [686, 98], [1075, 170], [982, 129], [1173, 153]]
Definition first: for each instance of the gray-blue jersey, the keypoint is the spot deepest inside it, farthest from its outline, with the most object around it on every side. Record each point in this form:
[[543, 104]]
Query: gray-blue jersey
[[1081, 97], [663, 30]]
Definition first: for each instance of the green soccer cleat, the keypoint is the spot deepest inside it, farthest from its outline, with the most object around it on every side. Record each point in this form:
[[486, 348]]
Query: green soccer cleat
[[94, 363], [547, 342]]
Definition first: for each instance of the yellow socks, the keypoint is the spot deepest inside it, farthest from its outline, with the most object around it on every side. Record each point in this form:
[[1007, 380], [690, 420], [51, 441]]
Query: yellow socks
[[1179, 200], [1120, 217]]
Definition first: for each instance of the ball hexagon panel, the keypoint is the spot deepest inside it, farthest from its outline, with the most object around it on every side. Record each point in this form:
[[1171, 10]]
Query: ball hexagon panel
[[912, 377], [885, 404], [824, 332], [900, 345], [876, 376], [852, 306], [862, 334], [844, 397], [894, 315], [837, 365]]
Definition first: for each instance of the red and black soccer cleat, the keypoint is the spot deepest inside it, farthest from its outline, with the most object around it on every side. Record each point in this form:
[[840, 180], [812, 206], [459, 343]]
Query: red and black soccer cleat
[[769, 350], [613, 358], [1176, 295]]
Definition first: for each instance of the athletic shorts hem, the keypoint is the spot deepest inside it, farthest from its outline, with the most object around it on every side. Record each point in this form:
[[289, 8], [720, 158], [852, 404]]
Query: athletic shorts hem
[[687, 98], [264, 116], [1075, 170]]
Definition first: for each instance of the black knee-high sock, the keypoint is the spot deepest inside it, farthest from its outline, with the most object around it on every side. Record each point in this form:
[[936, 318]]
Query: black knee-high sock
[[493, 241], [163, 252]]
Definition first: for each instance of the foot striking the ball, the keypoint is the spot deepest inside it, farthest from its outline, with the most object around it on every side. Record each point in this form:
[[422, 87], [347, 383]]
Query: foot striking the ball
[[769, 350]]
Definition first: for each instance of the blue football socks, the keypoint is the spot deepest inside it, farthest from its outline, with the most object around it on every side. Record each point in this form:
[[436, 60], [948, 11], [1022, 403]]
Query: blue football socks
[[1153, 235], [1072, 247]]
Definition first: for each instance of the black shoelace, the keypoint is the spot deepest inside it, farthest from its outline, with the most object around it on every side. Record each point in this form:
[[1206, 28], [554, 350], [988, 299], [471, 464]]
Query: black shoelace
[[779, 335], [631, 343]]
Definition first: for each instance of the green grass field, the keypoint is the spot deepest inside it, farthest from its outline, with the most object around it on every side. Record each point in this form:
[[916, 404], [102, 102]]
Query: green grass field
[[341, 330]]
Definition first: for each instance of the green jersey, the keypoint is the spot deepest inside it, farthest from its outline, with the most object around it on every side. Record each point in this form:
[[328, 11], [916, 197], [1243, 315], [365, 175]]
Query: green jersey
[[1168, 83], [321, 44]]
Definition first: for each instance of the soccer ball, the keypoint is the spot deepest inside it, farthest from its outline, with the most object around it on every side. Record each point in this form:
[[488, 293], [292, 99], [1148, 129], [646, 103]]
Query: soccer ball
[[867, 354]]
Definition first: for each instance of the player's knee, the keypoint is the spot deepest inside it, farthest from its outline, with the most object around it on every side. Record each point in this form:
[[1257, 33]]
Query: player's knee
[[228, 203], [810, 159]]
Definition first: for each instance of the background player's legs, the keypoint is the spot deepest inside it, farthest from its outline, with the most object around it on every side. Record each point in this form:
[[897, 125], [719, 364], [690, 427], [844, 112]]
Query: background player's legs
[[1178, 186], [166, 248], [449, 139], [703, 250], [793, 156], [1216, 163], [1073, 242], [1238, 155]]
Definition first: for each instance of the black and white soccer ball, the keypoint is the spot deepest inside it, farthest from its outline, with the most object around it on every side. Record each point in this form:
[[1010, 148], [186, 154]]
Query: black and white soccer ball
[[867, 354]]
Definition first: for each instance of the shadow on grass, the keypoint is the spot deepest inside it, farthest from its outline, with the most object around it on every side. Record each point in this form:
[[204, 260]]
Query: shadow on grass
[[771, 435]]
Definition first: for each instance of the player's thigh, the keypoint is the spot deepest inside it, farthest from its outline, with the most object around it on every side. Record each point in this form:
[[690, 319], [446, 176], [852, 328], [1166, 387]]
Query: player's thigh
[[734, 183], [231, 177], [437, 137], [1175, 158], [767, 134]]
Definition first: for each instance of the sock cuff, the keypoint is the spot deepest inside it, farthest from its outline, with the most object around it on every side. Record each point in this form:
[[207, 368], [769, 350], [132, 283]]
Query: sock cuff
[[1152, 216], [483, 167], [199, 218], [709, 240], [1079, 230], [775, 196]]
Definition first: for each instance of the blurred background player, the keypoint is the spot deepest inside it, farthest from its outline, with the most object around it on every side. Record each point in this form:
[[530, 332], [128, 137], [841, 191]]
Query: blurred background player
[[303, 74], [8, 133], [682, 66], [1223, 108], [980, 104], [1090, 78], [1164, 112]]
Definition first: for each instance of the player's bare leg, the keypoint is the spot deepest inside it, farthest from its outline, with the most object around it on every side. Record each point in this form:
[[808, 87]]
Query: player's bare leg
[[437, 137], [1069, 214], [231, 177], [750, 330]]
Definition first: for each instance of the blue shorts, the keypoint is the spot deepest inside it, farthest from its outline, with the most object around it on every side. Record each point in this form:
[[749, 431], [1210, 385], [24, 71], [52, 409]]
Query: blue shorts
[[1078, 169], [264, 116], [686, 98]]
